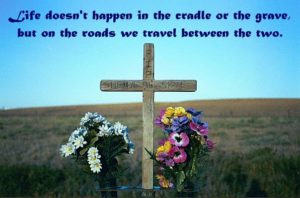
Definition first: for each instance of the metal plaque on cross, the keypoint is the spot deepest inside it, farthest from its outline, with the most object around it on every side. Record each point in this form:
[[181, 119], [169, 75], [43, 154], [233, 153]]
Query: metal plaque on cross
[[148, 86]]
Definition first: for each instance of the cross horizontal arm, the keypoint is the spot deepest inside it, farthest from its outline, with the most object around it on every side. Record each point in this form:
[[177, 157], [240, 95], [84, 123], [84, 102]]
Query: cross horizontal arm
[[121, 85], [175, 85], [156, 85]]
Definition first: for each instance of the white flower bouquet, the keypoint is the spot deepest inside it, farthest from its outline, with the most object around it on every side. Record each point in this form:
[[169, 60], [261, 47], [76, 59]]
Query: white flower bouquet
[[96, 144]]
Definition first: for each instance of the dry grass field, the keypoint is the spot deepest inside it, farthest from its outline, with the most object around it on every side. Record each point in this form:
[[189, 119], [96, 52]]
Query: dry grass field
[[257, 147], [212, 108]]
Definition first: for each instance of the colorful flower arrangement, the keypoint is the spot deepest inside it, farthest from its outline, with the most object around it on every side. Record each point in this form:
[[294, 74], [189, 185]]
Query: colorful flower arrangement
[[183, 151], [96, 144]]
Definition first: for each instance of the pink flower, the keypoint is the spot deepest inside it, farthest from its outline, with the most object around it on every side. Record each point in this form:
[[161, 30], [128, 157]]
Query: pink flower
[[210, 144], [179, 139], [157, 120], [162, 156], [165, 158], [179, 155], [162, 141], [200, 129], [170, 162]]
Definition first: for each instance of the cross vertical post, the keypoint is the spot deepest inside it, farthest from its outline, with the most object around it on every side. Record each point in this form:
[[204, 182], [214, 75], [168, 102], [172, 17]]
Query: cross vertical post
[[148, 116]]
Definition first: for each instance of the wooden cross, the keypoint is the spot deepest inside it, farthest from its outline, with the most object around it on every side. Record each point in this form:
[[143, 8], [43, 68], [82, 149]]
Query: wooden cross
[[148, 86]]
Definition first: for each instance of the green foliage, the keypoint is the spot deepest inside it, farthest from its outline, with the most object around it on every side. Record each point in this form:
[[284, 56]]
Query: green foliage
[[30, 180], [261, 172], [180, 177], [1, 125]]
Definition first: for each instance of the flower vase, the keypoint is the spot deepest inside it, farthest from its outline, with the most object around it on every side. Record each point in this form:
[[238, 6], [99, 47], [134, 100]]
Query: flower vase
[[107, 188], [108, 177], [188, 191]]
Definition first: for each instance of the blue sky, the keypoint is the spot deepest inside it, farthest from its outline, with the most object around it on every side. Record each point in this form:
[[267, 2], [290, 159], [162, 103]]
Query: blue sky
[[67, 71]]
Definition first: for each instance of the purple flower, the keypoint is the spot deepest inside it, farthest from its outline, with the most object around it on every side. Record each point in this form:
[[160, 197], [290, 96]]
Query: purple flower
[[210, 144], [201, 129], [170, 162], [179, 155], [175, 125], [193, 112], [157, 120], [178, 123], [162, 112], [165, 158], [196, 120], [183, 120], [162, 156], [168, 130], [179, 139]]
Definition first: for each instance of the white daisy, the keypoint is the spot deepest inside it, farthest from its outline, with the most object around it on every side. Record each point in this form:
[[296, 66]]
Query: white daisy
[[104, 130], [99, 119], [93, 160], [73, 136], [105, 122], [79, 142], [86, 118], [79, 131], [82, 131], [67, 149], [119, 128], [96, 168], [93, 151], [101, 134]]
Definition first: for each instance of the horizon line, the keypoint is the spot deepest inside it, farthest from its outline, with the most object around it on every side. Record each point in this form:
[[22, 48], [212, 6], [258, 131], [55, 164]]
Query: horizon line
[[120, 103]]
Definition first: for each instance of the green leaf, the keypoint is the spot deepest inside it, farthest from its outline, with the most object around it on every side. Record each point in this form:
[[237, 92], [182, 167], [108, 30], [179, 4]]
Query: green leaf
[[118, 151], [83, 151], [180, 177], [151, 154], [95, 139], [194, 168], [153, 157], [86, 168], [93, 133]]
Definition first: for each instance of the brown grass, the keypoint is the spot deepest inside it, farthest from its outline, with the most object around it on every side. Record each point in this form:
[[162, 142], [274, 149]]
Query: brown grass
[[212, 108]]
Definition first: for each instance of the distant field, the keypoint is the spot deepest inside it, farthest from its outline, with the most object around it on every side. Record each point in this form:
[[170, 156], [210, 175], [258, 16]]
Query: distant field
[[214, 108], [257, 148]]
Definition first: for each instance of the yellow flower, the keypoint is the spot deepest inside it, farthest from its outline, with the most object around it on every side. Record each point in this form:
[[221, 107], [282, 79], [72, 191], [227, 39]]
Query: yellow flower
[[159, 150], [163, 182], [169, 112], [179, 111], [164, 148], [189, 116], [165, 120]]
